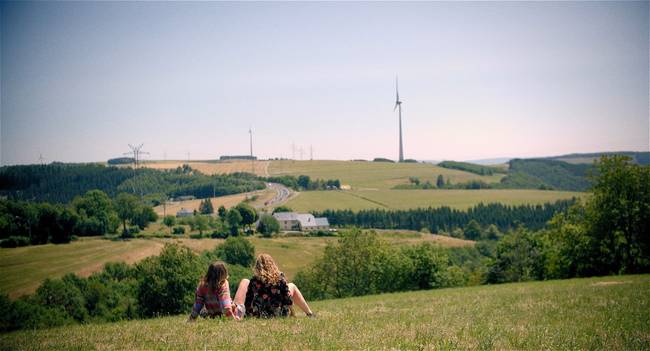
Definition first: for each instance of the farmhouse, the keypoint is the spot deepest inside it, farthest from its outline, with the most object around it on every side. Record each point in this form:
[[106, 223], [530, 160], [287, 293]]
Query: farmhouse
[[292, 221]]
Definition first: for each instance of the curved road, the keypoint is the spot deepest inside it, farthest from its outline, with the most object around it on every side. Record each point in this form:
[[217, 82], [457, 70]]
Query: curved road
[[282, 194]]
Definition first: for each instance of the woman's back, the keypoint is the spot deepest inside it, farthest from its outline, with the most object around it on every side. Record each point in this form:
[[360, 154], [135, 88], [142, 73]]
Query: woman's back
[[268, 300]]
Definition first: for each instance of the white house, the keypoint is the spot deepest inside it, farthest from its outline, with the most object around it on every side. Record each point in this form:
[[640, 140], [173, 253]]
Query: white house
[[292, 221]]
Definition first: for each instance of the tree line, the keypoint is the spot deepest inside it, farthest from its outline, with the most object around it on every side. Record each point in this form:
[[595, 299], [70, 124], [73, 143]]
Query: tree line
[[305, 183], [446, 218], [60, 183], [93, 213]]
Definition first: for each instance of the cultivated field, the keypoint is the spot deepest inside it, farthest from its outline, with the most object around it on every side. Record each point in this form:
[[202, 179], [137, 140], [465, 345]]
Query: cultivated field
[[372, 182], [404, 199], [373, 175], [227, 201], [599, 313], [23, 269], [214, 167]]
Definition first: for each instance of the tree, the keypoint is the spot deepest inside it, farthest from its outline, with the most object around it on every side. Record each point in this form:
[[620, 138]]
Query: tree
[[440, 182], [282, 208], [473, 230], [268, 225], [304, 181], [95, 206], [234, 219], [237, 250], [618, 217], [169, 221], [222, 212], [206, 207], [248, 214], [127, 206], [201, 223]]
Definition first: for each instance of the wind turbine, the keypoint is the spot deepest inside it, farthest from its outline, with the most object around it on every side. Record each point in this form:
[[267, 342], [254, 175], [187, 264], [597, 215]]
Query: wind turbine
[[398, 106]]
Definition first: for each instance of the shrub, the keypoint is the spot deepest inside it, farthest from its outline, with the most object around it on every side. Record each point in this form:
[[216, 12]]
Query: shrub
[[196, 236], [166, 283], [15, 241], [236, 250], [219, 234], [179, 230]]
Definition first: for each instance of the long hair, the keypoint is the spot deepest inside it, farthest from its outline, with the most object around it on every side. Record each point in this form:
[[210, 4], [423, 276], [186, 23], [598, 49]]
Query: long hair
[[216, 275], [266, 270]]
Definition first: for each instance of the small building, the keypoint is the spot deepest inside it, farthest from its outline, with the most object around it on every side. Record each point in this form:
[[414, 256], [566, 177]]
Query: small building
[[292, 221], [184, 212], [184, 198]]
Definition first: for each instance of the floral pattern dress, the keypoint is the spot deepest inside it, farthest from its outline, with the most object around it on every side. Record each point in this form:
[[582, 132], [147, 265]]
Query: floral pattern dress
[[268, 301]]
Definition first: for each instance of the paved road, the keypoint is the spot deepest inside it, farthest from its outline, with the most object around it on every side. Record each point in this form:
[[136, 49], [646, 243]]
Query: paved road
[[282, 194]]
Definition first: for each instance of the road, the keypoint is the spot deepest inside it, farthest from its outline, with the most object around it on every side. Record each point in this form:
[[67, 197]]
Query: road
[[282, 194]]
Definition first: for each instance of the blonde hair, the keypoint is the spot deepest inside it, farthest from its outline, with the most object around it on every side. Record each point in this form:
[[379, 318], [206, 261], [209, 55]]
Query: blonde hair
[[216, 275], [266, 270]]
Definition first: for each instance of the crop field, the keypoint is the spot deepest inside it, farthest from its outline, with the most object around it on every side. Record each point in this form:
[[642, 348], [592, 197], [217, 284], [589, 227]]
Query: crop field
[[373, 175], [214, 167], [23, 269], [372, 187], [404, 199], [227, 201], [607, 313]]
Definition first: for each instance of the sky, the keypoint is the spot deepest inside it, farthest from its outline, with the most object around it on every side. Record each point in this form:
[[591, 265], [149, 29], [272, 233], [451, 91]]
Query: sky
[[81, 81]]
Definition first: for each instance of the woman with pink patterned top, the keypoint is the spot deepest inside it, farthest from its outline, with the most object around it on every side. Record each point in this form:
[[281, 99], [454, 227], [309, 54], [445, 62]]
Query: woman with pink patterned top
[[213, 293]]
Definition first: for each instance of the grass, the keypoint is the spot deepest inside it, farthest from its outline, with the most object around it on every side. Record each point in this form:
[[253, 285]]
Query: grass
[[373, 175], [405, 199], [607, 313], [24, 268], [227, 201]]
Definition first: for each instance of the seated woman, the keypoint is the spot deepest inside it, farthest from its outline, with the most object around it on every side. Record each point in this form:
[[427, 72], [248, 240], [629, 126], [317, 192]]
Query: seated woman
[[267, 294], [213, 292]]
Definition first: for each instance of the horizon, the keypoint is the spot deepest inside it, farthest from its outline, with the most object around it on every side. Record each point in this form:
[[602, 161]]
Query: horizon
[[80, 81]]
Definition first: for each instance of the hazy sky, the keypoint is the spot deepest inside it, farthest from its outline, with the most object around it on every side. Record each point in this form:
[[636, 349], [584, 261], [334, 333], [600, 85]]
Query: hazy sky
[[479, 80]]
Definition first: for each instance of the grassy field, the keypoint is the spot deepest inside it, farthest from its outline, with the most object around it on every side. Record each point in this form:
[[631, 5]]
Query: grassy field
[[23, 269], [404, 199], [372, 187], [215, 167], [373, 175], [609, 313], [227, 201]]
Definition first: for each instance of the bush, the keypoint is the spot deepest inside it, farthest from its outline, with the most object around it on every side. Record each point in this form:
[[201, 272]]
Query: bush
[[196, 236], [15, 241], [179, 230], [166, 283], [236, 250], [219, 234]]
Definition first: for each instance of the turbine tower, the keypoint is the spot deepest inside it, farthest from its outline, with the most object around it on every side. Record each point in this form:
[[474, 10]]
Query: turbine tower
[[398, 106], [250, 131]]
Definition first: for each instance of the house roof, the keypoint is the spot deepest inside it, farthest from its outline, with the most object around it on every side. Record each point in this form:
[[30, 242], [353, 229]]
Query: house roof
[[305, 219], [286, 216], [322, 222]]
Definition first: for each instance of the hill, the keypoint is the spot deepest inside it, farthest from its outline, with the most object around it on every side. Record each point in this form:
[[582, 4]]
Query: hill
[[596, 313], [642, 158], [372, 185]]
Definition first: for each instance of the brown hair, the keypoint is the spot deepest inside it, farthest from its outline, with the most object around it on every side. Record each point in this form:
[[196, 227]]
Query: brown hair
[[216, 275], [266, 270]]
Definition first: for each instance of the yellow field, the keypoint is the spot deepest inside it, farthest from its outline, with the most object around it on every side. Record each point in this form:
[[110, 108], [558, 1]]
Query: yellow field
[[227, 201], [220, 167], [23, 269]]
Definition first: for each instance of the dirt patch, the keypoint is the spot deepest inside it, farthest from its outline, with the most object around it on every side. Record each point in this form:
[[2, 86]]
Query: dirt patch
[[616, 282]]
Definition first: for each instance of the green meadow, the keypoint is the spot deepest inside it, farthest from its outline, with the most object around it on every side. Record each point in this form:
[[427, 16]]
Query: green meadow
[[609, 313], [24, 268], [372, 187]]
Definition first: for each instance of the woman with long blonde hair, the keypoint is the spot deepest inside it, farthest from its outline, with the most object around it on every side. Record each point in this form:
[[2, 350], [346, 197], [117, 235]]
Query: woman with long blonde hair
[[267, 294]]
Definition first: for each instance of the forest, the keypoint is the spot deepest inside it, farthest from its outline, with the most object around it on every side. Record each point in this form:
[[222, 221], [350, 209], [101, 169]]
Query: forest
[[60, 183]]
